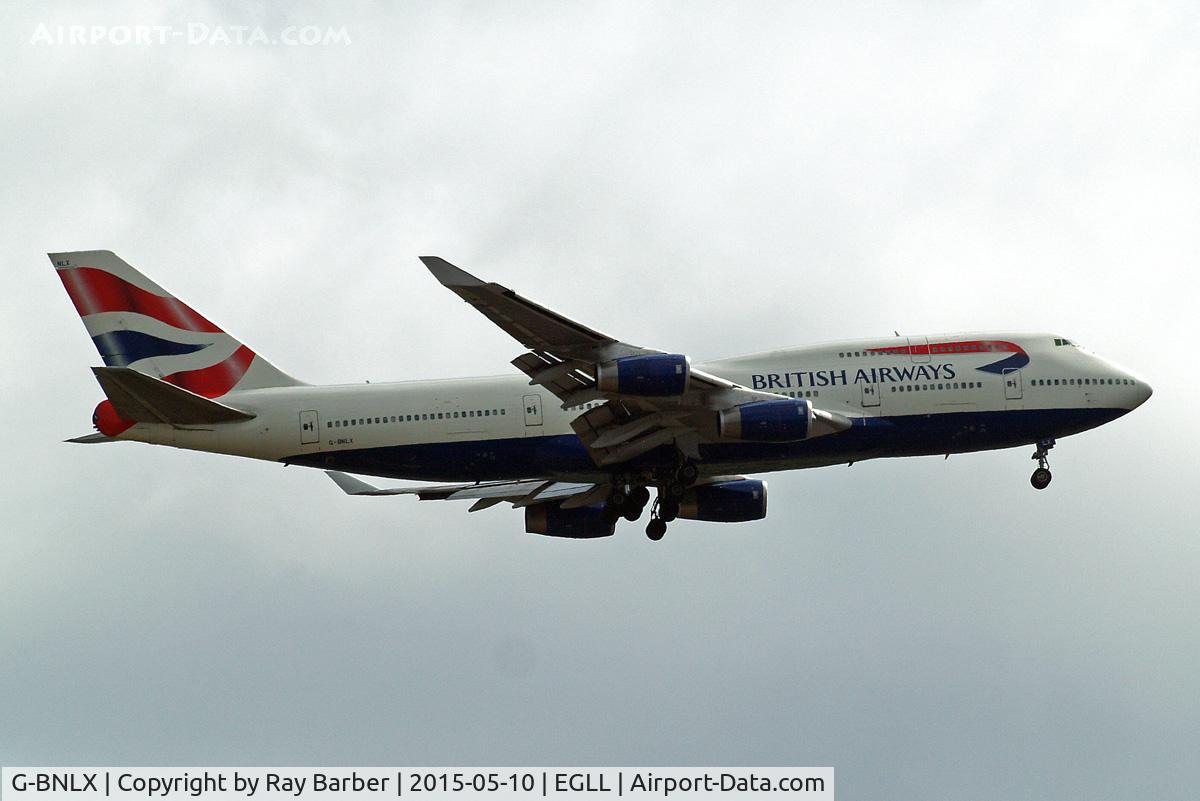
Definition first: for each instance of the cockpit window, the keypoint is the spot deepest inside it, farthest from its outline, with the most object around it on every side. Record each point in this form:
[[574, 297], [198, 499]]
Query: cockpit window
[[1058, 341]]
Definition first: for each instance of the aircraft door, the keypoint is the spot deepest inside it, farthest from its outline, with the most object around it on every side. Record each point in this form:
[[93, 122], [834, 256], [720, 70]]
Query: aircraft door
[[533, 411], [870, 394], [1012, 384], [310, 428], [918, 348]]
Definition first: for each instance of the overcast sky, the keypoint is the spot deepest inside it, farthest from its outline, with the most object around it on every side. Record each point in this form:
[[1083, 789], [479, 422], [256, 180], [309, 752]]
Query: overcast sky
[[714, 179]]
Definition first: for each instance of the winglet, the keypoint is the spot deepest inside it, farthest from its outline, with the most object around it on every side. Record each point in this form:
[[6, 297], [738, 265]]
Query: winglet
[[356, 486], [448, 274]]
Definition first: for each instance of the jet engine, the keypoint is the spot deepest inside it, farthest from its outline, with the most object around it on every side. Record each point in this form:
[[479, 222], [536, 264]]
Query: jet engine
[[653, 375], [725, 501], [783, 420], [551, 520]]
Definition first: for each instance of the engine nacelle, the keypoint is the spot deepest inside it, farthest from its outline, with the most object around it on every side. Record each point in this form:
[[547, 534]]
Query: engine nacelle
[[768, 421], [726, 502], [551, 520], [654, 375]]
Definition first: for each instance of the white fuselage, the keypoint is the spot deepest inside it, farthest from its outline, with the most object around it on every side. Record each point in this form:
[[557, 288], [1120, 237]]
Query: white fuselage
[[908, 396]]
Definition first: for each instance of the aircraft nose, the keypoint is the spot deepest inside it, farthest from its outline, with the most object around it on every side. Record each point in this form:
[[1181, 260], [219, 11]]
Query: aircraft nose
[[1140, 393]]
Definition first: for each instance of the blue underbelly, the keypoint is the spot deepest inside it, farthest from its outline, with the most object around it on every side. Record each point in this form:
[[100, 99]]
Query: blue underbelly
[[869, 438]]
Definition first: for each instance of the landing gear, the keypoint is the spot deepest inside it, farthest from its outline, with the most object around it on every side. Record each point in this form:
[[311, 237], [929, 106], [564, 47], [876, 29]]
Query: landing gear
[[1041, 476], [665, 510], [637, 499], [629, 497], [668, 509], [656, 529], [625, 501]]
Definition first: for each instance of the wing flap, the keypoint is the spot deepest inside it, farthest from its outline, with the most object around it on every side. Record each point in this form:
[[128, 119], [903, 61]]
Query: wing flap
[[519, 493]]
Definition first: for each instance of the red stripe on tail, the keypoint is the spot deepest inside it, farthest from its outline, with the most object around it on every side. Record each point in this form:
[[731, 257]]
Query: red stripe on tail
[[215, 381], [94, 291]]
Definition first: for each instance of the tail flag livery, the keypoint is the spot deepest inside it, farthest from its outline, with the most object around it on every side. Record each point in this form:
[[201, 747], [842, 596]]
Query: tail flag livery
[[135, 323]]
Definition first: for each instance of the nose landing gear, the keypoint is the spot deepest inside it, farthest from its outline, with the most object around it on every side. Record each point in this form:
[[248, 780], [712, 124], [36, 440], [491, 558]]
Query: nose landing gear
[[1041, 476]]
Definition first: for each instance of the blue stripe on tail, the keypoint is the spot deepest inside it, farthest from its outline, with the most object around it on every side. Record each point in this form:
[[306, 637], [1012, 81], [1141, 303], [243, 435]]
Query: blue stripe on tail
[[122, 348]]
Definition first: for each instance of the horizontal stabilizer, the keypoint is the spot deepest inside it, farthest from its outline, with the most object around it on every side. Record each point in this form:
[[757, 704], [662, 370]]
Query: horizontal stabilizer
[[92, 439], [141, 398]]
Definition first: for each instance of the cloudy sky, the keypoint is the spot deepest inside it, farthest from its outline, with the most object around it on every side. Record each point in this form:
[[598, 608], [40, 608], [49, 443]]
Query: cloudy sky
[[709, 178]]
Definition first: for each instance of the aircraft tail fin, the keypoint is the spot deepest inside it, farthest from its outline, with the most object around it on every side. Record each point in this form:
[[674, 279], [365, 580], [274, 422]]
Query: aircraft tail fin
[[137, 324]]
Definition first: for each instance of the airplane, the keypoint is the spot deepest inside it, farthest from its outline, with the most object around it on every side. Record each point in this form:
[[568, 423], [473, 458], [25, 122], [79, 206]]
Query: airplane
[[590, 424]]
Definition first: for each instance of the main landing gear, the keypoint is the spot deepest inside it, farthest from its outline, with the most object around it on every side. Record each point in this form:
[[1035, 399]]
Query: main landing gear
[[1041, 476], [671, 488], [629, 496], [627, 502]]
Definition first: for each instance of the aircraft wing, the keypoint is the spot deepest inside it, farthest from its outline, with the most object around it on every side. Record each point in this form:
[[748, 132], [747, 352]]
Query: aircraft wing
[[485, 494], [565, 356]]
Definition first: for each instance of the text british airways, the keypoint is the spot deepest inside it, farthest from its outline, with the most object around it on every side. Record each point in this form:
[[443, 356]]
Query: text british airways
[[833, 378]]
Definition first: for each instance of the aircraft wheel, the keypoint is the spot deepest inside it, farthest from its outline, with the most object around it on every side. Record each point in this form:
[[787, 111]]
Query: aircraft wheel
[[617, 498], [640, 496], [1040, 478], [668, 510], [688, 474], [674, 490], [632, 512], [655, 529]]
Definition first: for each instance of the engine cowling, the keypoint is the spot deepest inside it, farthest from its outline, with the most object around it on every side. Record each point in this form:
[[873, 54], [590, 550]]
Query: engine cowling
[[551, 520], [726, 501], [768, 421], [653, 375]]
